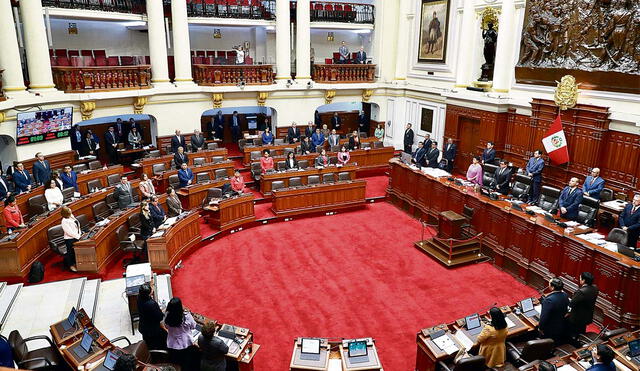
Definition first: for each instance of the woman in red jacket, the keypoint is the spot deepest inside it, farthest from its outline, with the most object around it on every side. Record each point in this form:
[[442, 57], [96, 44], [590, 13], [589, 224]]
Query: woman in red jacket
[[12, 215], [266, 161]]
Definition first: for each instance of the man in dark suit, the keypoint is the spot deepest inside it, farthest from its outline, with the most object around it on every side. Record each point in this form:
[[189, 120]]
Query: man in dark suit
[[363, 123], [111, 139], [554, 309], [180, 158], [534, 170], [419, 155], [69, 178], [630, 221], [123, 193], [489, 154], [218, 125], [293, 133], [5, 188], [157, 212], [408, 139], [121, 130], [432, 155], [89, 146], [21, 179], [449, 153], [582, 305], [76, 138], [41, 170], [235, 126], [603, 357], [177, 141], [427, 141], [593, 184], [197, 141], [502, 177], [336, 121], [185, 175], [361, 56], [570, 199], [309, 130]]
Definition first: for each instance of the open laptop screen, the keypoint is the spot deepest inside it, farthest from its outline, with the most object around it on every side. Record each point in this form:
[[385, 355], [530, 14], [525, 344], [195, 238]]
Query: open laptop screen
[[357, 348], [527, 305], [86, 341], [473, 321], [71, 319], [634, 348], [310, 346], [110, 360]]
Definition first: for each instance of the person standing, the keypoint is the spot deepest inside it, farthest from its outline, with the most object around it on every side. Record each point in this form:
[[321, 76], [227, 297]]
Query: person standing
[[197, 141], [76, 138], [134, 138], [474, 172], [334, 139], [41, 170], [157, 212], [266, 161], [180, 158], [53, 195], [488, 154], [502, 178], [235, 127], [213, 349], [343, 156], [267, 137], [408, 139], [534, 170], [582, 305], [427, 141], [449, 154], [21, 179], [123, 193], [317, 138], [570, 199], [363, 123], [179, 340], [293, 133], [185, 175], [420, 155], [309, 130], [177, 141], [306, 146], [344, 53], [111, 139], [174, 205], [291, 162], [237, 182], [554, 309], [5, 190], [146, 187], [629, 221], [72, 233], [593, 184], [361, 56], [12, 214], [336, 121], [90, 147], [354, 141], [492, 339], [379, 133], [322, 159], [218, 125], [432, 155], [121, 130]]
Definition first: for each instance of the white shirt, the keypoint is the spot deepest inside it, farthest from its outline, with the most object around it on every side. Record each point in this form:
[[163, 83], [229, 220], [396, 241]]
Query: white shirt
[[71, 228], [239, 56], [54, 196]]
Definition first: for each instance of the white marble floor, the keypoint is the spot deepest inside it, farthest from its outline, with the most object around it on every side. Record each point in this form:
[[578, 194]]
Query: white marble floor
[[112, 312]]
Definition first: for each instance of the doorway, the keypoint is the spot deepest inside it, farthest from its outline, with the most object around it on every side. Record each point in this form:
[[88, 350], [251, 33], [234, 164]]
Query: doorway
[[469, 141]]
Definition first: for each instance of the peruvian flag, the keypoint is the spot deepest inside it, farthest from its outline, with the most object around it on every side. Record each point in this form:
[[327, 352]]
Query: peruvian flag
[[555, 143]]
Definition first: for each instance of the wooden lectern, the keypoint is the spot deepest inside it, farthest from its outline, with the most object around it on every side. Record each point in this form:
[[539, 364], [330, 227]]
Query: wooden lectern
[[450, 225]]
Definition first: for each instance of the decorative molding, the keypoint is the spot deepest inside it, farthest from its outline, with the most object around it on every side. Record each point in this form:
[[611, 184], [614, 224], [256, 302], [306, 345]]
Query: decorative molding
[[138, 104], [3, 116], [366, 94], [262, 98], [329, 95], [217, 99], [489, 15], [87, 108]]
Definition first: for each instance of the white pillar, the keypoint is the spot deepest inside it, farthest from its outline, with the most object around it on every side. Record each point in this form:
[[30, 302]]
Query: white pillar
[[283, 41], [303, 40], [157, 43], [504, 64], [12, 79], [181, 45], [36, 46], [466, 45], [405, 19]]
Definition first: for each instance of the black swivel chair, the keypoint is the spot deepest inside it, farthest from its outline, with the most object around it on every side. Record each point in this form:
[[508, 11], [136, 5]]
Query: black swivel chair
[[378, 144], [46, 358], [85, 224], [488, 174], [328, 178], [67, 194], [344, 176], [256, 171], [101, 211], [549, 197], [174, 181], [80, 167], [473, 363], [37, 205], [212, 193], [521, 187], [221, 174], [313, 179], [154, 154], [202, 177], [113, 179], [198, 161], [212, 145], [303, 164], [587, 211], [278, 184], [158, 169], [216, 159], [617, 235], [136, 246], [530, 351], [281, 165], [95, 165], [94, 184], [295, 181], [255, 155], [55, 235], [467, 212]]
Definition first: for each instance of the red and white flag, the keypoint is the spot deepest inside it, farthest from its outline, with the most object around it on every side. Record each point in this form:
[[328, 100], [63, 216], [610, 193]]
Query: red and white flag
[[555, 143]]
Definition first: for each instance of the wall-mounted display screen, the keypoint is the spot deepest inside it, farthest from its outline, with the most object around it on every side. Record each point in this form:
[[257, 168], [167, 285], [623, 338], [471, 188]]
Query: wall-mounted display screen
[[39, 126]]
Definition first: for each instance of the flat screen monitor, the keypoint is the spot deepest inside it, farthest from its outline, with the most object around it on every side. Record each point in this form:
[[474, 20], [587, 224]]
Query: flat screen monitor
[[71, 319], [252, 122], [40, 126], [86, 341], [357, 348], [110, 360], [634, 348], [472, 321], [527, 305], [310, 346]]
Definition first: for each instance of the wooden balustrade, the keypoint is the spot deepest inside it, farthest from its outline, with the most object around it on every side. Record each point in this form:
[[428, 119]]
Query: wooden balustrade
[[344, 73], [214, 75], [90, 79]]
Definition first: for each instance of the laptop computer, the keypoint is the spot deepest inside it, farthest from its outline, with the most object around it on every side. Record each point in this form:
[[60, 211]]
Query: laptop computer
[[85, 345], [472, 323], [310, 349], [358, 351], [70, 322], [110, 360], [227, 331], [527, 308], [634, 350]]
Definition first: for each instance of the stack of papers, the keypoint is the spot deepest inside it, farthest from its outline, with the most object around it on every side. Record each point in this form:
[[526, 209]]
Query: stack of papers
[[464, 340], [566, 368], [615, 204], [435, 172], [510, 323], [102, 223], [595, 238], [535, 209], [157, 234], [169, 222], [446, 344]]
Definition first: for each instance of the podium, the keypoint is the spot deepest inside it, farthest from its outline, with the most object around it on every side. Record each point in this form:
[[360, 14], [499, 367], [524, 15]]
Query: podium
[[450, 225]]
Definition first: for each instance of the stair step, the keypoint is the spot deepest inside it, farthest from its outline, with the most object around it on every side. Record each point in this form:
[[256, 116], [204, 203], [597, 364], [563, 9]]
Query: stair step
[[471, 247], [8, 296], [429, 247]]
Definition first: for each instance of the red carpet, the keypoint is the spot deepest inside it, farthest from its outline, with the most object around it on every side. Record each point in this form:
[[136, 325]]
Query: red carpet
[[376, 186], [354, 274]]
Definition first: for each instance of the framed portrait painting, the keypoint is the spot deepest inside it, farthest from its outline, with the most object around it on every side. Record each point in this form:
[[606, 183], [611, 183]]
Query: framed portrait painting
[[434, 20]]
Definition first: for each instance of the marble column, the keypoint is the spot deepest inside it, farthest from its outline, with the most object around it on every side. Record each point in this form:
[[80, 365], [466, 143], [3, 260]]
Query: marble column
[[504, 65], [36, 46], [283, 41], [303, 40], [181, 44], [157, 43], [405, 20], [464, 64], [12, 79]]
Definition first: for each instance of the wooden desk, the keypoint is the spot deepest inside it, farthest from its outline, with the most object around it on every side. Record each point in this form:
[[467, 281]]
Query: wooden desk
[[193, 195], [22, 201], [528, 247], [166, 250], [210, 168], [60, 336], [101, 174], [322, 197], [372, 364], [231, 212], [298, 364], [146, 164], [267, 179], [365, 159], [100, 346], [273, 149]]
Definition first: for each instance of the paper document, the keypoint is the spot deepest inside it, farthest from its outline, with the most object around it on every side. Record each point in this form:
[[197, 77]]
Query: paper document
[[464, 340], [566, 368], [538, 308], [510, 323], [157, 234], [571, 223], [446, 344]]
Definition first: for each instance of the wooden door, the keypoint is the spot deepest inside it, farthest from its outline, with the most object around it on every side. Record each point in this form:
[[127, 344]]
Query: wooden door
[[469, 134]]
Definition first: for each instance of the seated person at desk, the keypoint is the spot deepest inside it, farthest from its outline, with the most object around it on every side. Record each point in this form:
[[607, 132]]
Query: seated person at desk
[[317, 139], [237, 182], [179, 340], [603, 357], [213, 349], [502, 177], [266, 161], [134, 139], [157, 212], [153, 333], [630, 221], [474, 173], [570, 199], [267, 137], [21, 179], [418, 157], [185, 175], [12, 215], [123, 193], [180, 158], [291, 162], [343, 155], [492, 339], [554, 309], [354, 140], [593, 184], [147, 227], [69, 178], [53, 195], [293, 133], [333, 139], [72, 233], [173, 203], [126, 362], [306, 147], [197, 141], [322, 159], [146, 186]]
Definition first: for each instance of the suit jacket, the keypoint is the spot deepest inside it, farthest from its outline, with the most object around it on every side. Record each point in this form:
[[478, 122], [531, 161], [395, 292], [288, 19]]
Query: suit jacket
[[554, 308], [320, 161], [535, 166], [41, 172], [308, 132], [22, 181], [582, 305], [306, 147], [334, 140], [627, 219], [293, 135], [336, 122], [197, 142], [488, 155], [179, 160], [288, 166], [135, 140], [432, 157], [501, 180], [317, 139], [157, 214], [493, 345], [602, 367], [175, 143], [363, 123], [111, 140], [124, 194], [450, 151], [120, 129], [174, 206], [353, 144], [570, 201], [146, 226], [88, 146], [185, 176], [70, 180], [408, 137], [419, 156], [593, 189], [361, 57], [76, 142], [427, 143], [4, 187]]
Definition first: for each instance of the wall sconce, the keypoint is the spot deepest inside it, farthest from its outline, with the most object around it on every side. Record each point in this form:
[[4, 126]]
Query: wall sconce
[[73, 29], [330, 36]]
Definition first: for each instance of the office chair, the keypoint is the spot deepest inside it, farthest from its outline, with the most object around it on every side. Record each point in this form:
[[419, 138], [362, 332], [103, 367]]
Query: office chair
[[281, 166], [136, 247], [278, 184], [202, 177], [256, 171], [319, 148], [212, 145], [328, 178], [378, 144], [287, 151], [549, 199], [255, 155], [241, 144], [257, 141], [531, 350], [111, 201], [303, 164], [606, 195], [95, 165], [344, 176], [216, 159], [589, 337], [587, 211], [113, 179], [37, 205], [67, 194], [154, 154], [85, 224], [521, 187], [133, 221], [335, 148], [295, 182], [473, 363], [221, 174], [617, 235], [211, 194], [46, 358], [333, 160], [174, 181], [198, 161], [94, 184], [488, 174], [159, 358], [158, 169], [101, 211], [55, 235], [80, 167], [278, 141], [366, 145], [467, 212], [313, 179]]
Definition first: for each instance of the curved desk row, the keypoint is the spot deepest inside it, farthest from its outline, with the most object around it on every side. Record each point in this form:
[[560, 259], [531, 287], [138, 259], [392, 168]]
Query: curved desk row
[[145, 165], [321, 197], [267, 180], [167, 249]]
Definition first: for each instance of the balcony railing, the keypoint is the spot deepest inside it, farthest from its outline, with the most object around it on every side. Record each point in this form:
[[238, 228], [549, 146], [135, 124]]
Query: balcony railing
[[248, 9], [93, 79], [342, 12], [120, 6], [344, 73], [216, 75]]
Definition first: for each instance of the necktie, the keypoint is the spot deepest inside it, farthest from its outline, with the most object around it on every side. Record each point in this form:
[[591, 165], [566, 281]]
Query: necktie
[[634, 209], [24, 175], [593, 180]]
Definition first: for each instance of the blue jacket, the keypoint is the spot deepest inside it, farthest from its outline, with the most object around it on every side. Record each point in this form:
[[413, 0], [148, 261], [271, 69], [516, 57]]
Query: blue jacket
[[157, 214], [6, 354], [593, 189], [267, 139], [554, 307], [418, 156], [535, 166], [41, 173], [185, 176], [21, 181], [602, 367], [488, 155], [570, 201], [70, 180], [317, 139], [4, 188], [629, 220]]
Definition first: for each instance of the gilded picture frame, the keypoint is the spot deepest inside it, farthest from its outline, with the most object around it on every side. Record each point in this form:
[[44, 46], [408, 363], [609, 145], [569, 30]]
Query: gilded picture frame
[[434, 30]]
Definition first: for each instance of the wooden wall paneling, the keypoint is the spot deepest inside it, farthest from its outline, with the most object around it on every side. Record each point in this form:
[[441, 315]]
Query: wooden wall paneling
[[543, 261], [630, 297], [575, 259], [495, 232], [517, 148], [620, 160], [519, 245], [609, 275]]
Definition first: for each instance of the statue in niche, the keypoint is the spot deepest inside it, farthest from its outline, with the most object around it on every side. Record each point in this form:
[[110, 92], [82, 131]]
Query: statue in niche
[[490, 37]]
